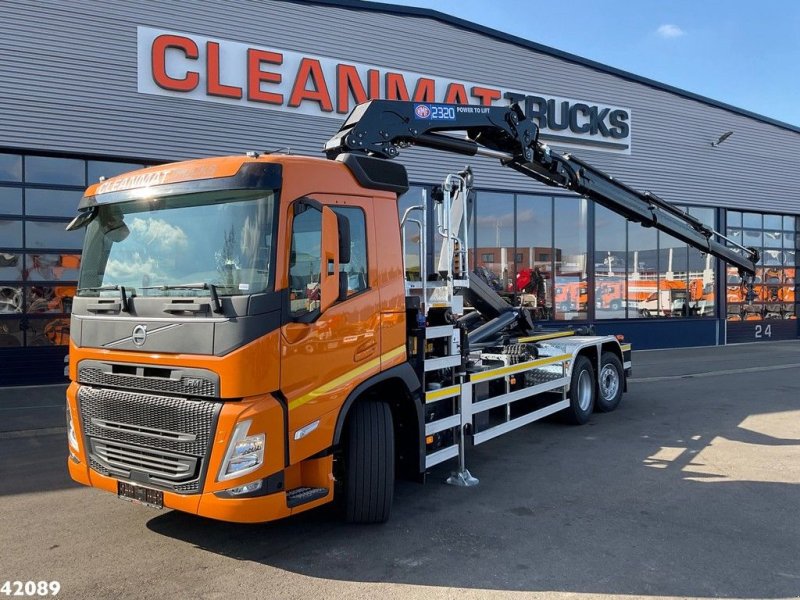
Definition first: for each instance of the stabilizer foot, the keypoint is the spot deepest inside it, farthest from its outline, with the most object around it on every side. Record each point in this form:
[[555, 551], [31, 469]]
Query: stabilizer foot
[[462, 479]]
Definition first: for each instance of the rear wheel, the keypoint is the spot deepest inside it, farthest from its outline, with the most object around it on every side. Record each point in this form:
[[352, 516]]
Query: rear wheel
[[369, 463], [581, 392], [609, 382]]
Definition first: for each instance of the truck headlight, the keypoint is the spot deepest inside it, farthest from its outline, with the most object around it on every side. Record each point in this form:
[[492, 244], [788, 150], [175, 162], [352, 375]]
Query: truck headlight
[[245, 453], [72, 437]]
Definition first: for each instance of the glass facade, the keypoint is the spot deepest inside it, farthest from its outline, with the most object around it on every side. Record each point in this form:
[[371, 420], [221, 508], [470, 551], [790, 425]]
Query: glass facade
[[39, 260], [776, 237]]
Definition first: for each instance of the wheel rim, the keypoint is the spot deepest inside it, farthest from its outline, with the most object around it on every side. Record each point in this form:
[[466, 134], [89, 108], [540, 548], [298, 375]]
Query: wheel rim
[[584, 390], [609, 382]]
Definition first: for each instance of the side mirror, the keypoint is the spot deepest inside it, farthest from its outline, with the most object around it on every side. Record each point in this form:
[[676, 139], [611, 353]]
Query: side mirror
[[329, 265]]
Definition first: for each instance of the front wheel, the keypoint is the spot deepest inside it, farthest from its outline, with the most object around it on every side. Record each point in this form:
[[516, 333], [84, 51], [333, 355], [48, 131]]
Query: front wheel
[[581, 392], [369, 463], [609, 382]]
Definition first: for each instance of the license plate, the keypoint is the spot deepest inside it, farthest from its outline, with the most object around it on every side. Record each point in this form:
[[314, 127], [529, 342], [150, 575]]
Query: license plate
[[140, 495]]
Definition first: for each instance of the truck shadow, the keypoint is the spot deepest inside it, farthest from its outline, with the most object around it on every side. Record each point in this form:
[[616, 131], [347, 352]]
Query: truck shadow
[[685, 491]]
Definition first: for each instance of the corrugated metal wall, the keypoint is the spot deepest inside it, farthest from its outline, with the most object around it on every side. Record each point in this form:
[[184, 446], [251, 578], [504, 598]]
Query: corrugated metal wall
[[68, 83]]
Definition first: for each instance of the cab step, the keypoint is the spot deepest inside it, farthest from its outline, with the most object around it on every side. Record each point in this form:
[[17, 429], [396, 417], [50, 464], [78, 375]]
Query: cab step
[[302, 495]]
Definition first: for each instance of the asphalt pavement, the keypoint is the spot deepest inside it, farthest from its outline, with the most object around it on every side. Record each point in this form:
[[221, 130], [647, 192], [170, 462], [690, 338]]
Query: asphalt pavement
[[690, 489]]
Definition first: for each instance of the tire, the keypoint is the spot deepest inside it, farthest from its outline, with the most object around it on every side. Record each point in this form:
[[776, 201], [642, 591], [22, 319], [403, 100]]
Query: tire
[[609, 383], [369, 463], [616, 305], [581, 392]]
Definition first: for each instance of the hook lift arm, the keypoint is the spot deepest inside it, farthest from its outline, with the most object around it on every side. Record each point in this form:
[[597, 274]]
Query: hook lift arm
[[381, 128]]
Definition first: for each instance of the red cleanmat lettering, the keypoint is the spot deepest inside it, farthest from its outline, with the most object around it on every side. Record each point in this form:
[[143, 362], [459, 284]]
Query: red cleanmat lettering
[[425, 90], [396, 87], [348, 81], [256, 76], [310, 70], [485, 95], [374, 84], [158, 56], [456, 94], [213, 85]]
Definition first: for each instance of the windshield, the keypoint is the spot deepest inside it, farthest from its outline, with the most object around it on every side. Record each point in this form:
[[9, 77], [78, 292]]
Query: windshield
[[222, 239]]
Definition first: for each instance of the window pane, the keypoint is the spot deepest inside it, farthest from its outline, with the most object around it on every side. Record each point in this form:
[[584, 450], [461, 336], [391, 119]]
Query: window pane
[[10, 200], [356, 269], [42, 234], [534, 248], [304, 269], [788, 223], [52, 267], [609, 264], [104, 168], [773, 222], [51, 203], [10, 266], [11, 299], [753, 238], [673, 290], [734, 218], [58, 171], [706, 215], [50, 299], [10, 167], [495, 224], [413, 197], [702, 284], [773, 238], [10, 333], [570, 220], [48, 332], [10, 234], [642, 271], [751, 220]]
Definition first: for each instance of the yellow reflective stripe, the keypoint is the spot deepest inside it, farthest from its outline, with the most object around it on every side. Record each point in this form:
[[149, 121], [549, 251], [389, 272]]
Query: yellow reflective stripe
[[625, 347], [447, 392], [342, 379], [531, 364], [545, 336]]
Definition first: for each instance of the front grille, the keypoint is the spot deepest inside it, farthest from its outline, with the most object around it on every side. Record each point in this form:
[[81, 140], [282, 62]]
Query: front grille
[[185, 382], [156, 440]]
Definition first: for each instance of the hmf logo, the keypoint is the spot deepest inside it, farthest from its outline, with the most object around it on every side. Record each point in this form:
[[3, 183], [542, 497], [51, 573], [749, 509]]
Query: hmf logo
[[202, 68]]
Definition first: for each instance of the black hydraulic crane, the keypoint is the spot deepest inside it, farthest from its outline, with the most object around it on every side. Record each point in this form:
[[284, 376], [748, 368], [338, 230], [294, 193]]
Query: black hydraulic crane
[[381, 128]]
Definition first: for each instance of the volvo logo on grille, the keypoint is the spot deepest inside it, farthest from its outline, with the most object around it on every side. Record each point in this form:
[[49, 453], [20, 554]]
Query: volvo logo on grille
[[139, 335]]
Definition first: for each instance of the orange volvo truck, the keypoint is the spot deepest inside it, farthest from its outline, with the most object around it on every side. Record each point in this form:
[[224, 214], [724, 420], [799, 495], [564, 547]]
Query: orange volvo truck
[[244, 345]]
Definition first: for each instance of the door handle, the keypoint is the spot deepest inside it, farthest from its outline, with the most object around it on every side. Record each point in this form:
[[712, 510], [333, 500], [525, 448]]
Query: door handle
[[365, 350]]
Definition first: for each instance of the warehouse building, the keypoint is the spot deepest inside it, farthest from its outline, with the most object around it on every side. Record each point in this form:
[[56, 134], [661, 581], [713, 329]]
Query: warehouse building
[[86, 94]]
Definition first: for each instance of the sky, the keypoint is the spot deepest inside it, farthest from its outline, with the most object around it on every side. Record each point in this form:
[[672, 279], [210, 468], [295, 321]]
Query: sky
[[742, 53]]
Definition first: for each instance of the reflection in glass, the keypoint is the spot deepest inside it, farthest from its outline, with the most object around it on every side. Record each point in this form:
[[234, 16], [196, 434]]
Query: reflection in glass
[[221, 238], [494, 247], [534, 250], [673, 285], [11, 299], [51, 203], [609, 264], [11, 266], [571, 232], [642, 300], [10, 167], [773, 222], [107, 169], [58, 171], [11, 335], [752, 220], [48, 332], [10, 233], [52, 267], [734, 219], [50, 299], [45, 234], [788, 223], [10, 200]]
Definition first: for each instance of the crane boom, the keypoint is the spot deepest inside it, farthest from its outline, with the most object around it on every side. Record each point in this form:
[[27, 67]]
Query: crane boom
[[382, 127]]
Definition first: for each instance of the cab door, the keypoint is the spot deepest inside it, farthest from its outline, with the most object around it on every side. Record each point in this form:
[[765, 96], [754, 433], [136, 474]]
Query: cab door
[[326, 353]]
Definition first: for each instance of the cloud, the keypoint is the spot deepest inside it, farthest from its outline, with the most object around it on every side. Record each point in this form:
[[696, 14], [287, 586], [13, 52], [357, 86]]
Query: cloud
[[668, 31]]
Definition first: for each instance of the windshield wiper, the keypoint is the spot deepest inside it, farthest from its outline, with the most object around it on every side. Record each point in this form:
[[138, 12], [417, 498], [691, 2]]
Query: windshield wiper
[[103, 288], [212, 289]]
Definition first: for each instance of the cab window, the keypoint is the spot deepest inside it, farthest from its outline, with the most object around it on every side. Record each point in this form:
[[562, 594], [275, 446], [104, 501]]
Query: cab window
[[356, 269]]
